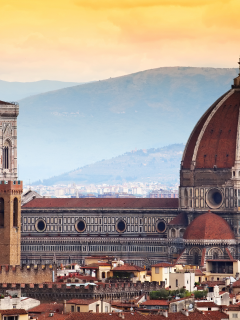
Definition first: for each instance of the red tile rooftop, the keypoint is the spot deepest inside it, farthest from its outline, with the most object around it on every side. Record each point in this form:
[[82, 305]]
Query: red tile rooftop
[[206, 304], [155, 303], [127, 267], [209, 226], [134, 203], [196, 315], [236, 284], [81, 301], [215, 315], [96, 265], [47, 307], [198, 272], [12, 312], [163, 265], [232, 307], [181, 220]]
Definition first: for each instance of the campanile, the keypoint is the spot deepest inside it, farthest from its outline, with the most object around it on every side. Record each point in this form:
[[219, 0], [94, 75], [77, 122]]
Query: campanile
[[10, 188], [8, 140]]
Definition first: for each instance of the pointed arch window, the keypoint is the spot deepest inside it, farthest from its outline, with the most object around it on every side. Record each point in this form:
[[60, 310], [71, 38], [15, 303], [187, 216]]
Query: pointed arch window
[[6, 155]]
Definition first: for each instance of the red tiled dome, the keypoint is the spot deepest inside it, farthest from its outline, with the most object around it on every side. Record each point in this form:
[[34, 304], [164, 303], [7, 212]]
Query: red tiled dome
[[208, 226], [213, 140]]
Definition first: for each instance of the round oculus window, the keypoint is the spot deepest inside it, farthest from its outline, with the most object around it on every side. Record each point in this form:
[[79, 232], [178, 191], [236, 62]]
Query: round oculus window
[[161, 226], [40, 225], [214, 198], [121, 226], [80, 225]]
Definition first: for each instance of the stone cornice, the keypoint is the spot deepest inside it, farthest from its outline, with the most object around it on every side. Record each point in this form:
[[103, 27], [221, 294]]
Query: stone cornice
[[209, 242]]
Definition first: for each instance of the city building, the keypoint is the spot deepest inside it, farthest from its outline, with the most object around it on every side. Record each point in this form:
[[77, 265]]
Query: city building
[[147, 231]]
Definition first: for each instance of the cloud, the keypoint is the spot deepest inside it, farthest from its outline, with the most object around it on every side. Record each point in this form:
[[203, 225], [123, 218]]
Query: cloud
[[129, 4]]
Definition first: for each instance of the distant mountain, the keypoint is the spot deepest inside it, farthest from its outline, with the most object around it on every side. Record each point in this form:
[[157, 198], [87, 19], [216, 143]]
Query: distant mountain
[[161, 164], [73, 127], [14, 91]]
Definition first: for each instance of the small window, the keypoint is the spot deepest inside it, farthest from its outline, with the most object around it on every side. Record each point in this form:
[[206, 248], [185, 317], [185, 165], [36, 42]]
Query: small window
[[78, 309], [157, 270], [176, 282], [72, 308], [174, 308]]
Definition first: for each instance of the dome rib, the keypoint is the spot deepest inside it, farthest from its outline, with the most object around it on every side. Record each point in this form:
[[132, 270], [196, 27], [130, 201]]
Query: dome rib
[[216, 143], [192, 141]]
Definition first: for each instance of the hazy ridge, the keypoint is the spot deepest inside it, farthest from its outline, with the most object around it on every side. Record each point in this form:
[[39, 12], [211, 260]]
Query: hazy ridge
[[69, 128], [160, 164]]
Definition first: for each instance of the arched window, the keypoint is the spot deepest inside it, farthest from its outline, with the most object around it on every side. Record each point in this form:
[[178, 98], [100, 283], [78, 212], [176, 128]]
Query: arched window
[[185, 197], [174, 308], [6, 155], [215, 255], [1, 212], [15, 212], [195, 259], [173, 233], [181, 232]]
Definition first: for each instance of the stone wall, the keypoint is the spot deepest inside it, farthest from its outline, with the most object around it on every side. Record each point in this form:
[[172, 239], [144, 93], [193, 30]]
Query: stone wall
[[59, 291], [32, 274]]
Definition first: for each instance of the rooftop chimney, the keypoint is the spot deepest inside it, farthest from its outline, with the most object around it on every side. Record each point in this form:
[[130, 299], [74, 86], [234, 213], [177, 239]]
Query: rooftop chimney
[[185, 312]]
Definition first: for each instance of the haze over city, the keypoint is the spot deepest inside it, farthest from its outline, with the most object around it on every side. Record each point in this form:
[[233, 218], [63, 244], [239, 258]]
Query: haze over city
[[77, 43]]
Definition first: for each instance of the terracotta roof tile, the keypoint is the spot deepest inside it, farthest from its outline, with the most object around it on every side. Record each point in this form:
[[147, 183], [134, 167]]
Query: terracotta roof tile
[[198, 272], [127, 267], [189, 149], [218, 143], [163, 265], [13, 311], [96, 265], [47, 307], [206, 304], [180, 220], [81, 301], [196, 315], [102, 203], [236, 284], [215, 315], [155, 303], [209, 226]]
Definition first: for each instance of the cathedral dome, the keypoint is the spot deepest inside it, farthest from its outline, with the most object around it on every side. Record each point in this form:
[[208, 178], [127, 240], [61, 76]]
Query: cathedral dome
[[213, 141], [208, 226], [210, 167]]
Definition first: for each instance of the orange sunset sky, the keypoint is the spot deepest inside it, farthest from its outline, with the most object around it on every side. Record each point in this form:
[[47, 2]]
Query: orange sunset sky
[[84, 40]]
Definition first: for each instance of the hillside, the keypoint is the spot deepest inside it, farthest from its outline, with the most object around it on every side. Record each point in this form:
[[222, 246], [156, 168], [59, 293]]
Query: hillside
[[160, 164], [73, 127], [14, 91]]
